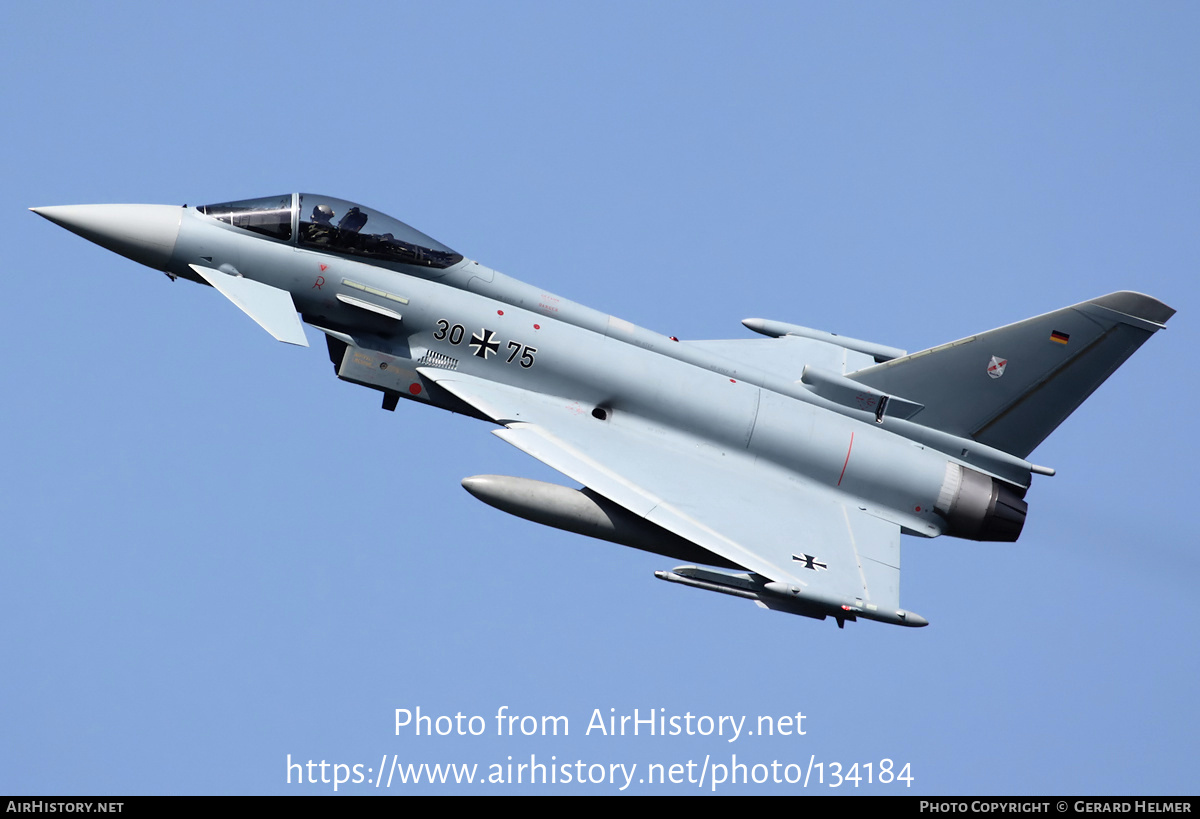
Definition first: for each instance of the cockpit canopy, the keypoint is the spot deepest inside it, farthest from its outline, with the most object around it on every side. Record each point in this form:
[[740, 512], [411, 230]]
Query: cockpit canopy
[[270, 216], [334, 225]]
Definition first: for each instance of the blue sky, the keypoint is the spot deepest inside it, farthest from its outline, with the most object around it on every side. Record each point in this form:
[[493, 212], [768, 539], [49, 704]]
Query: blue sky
[[216, 555]]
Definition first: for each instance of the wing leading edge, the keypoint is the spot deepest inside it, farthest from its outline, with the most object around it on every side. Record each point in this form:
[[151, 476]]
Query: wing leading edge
[[807, 551]]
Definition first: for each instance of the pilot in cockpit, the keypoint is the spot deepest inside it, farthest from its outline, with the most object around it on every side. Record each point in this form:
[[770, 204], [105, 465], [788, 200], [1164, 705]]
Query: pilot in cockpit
[[319, 231]]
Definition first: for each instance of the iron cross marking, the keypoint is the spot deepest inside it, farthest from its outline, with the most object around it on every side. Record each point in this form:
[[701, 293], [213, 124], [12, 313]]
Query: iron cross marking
[[810, 562], [483, 343]]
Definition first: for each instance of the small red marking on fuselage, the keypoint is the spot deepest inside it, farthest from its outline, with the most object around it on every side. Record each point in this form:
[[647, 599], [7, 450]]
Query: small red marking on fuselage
[[732, 381], [324, 266], [918, 508], [320, 281], [537, 326], [414, 388], [839, 483], [499, 312]]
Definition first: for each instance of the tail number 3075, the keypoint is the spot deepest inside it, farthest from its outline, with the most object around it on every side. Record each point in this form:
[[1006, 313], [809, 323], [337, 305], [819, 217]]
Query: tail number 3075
[[484, 344]]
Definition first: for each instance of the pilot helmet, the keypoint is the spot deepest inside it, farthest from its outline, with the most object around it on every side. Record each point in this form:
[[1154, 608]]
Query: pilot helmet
[[323, 214]]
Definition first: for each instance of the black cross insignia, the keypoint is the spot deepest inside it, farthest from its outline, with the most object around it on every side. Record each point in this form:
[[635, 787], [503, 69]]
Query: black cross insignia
[[483, 343], [810, 562]]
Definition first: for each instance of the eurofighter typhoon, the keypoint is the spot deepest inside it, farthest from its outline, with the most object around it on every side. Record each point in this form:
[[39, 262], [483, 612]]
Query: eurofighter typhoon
[[793, 462]]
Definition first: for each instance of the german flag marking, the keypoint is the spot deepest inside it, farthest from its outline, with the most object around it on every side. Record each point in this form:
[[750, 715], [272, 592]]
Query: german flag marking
[[1059, 338]]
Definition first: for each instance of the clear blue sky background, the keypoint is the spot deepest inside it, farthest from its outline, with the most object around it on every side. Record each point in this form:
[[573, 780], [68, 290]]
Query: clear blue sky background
[[214, 554]]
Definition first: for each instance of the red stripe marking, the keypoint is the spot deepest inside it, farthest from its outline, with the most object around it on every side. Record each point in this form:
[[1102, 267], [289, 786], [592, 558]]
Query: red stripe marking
[[839, 483]]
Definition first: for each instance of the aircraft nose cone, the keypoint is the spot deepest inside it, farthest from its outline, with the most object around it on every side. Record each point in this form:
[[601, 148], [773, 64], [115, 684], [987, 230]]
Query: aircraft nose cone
[[144, 233]]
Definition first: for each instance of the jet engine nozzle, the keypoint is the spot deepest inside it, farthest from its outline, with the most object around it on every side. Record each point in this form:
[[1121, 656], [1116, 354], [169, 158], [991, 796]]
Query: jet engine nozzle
[[978, 507], [144, 233]]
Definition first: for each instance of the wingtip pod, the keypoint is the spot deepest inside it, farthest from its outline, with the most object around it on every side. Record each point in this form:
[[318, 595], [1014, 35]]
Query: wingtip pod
[[778, 329]]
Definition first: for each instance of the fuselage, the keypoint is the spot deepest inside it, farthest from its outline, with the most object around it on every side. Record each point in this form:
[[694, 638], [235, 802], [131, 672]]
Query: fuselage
[[800, 459], [395, 297]]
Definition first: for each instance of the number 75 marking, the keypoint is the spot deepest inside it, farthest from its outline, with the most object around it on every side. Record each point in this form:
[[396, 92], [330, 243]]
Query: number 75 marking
[[526, 353]]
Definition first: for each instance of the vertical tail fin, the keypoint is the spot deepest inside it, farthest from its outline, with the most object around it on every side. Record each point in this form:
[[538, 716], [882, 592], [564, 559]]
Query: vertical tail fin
[[1011, 387]]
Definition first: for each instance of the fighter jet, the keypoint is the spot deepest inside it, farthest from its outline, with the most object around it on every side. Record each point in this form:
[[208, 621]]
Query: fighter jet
[[794, 462]]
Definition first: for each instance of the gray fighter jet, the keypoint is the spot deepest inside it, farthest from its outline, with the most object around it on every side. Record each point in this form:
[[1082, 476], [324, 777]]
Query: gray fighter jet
[[795, 461]]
